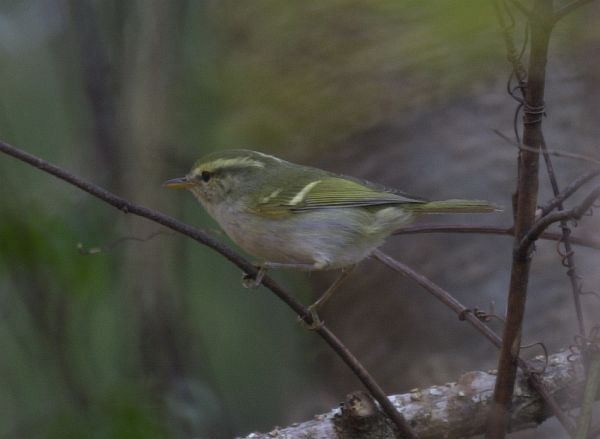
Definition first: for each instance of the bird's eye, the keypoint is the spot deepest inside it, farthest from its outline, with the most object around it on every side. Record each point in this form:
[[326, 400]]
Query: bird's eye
[[205, 175]]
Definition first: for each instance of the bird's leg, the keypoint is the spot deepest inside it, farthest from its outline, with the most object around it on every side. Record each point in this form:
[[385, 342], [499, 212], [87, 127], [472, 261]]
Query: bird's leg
[[315, 307], [249, 281]]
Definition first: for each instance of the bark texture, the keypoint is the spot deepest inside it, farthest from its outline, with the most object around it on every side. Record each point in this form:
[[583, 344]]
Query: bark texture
[[453, 410]]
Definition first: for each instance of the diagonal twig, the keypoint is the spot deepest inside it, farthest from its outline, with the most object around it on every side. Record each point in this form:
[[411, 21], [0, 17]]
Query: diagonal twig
[[569, 257], [553, 152], [489, 230], [205, 239], [564, 215], [568, 191], [465, 313]]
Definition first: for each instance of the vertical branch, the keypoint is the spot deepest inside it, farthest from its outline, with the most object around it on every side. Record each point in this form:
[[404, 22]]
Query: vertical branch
[[526, 203], [521, 76], [569, 258]]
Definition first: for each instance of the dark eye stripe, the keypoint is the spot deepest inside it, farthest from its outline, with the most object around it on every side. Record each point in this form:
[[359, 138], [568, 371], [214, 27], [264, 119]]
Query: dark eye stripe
[[205, 175]]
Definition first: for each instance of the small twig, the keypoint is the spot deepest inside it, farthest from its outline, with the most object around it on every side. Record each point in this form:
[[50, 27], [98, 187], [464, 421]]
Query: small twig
[[552, 152], [589, 397], [464, 314], [565, 154], [568, 191], [543, 223], [568, 8], [442, 295], [111, 245], [205, 239], [569, 258], [513, 56], [488, 230]]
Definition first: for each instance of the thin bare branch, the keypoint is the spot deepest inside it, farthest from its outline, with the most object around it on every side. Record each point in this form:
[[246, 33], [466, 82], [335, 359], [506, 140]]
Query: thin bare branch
[[439, 293], [466, 314], [553, 152], [204, 238], [543, 223], [569, 256], [568, 191], [489, 230]]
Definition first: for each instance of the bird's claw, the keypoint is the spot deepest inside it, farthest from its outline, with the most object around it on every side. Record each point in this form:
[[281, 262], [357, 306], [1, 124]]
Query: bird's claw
[[316, 321], [253, 281]]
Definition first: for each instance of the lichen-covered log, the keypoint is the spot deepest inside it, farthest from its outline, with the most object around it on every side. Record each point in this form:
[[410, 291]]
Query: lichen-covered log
[[453, 410]]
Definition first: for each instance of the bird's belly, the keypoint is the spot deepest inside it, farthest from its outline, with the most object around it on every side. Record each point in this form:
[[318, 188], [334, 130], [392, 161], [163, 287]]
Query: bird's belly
[[325, 239]]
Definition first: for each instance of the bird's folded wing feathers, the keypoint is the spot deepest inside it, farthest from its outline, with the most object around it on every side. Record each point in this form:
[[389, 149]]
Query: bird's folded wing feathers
[[328, 192]]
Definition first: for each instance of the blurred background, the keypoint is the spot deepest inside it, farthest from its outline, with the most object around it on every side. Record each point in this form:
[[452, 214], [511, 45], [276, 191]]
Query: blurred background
[[112, 327]]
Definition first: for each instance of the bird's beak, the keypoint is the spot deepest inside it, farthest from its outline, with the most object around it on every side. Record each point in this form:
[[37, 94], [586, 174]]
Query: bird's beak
[[178, 183]]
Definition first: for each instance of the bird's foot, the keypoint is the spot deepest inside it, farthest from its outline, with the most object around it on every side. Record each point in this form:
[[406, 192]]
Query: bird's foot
[[254, 281], [316, 321]]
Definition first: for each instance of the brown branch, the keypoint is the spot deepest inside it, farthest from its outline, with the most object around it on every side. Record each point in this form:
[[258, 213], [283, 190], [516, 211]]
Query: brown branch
[[489, 230], [466, 314], [526, 202], [565, 154], [553, 152], [569, 259], [456, 409], [439, 293], [564, 215], [205, 239], [568, 191]]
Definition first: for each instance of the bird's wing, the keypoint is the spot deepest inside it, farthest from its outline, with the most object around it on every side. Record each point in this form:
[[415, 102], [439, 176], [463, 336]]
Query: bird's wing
[[327, 192]]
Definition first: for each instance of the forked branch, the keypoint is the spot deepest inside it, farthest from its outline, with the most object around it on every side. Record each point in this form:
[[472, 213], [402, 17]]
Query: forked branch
[[564, 215], [469, 316]]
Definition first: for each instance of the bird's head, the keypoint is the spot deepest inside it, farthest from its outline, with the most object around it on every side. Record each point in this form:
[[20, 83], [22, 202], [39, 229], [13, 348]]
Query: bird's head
[[226, 175]]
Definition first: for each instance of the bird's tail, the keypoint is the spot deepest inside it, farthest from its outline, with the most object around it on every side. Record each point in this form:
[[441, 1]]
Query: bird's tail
[[453, 206]]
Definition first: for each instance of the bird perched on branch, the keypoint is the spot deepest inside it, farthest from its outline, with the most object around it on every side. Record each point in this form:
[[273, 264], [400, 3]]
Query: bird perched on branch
[[299, 217]]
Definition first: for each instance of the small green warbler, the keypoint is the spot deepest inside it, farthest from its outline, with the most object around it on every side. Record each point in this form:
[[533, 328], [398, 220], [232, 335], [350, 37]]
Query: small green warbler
[[293, 216]]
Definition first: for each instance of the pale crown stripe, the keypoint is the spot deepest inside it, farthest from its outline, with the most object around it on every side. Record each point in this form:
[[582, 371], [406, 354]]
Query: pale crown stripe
[[303, 192], [268, 156], [235, 162]]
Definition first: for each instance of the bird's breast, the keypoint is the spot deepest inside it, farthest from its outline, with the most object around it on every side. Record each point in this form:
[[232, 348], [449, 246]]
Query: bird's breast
[[326, 238]]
